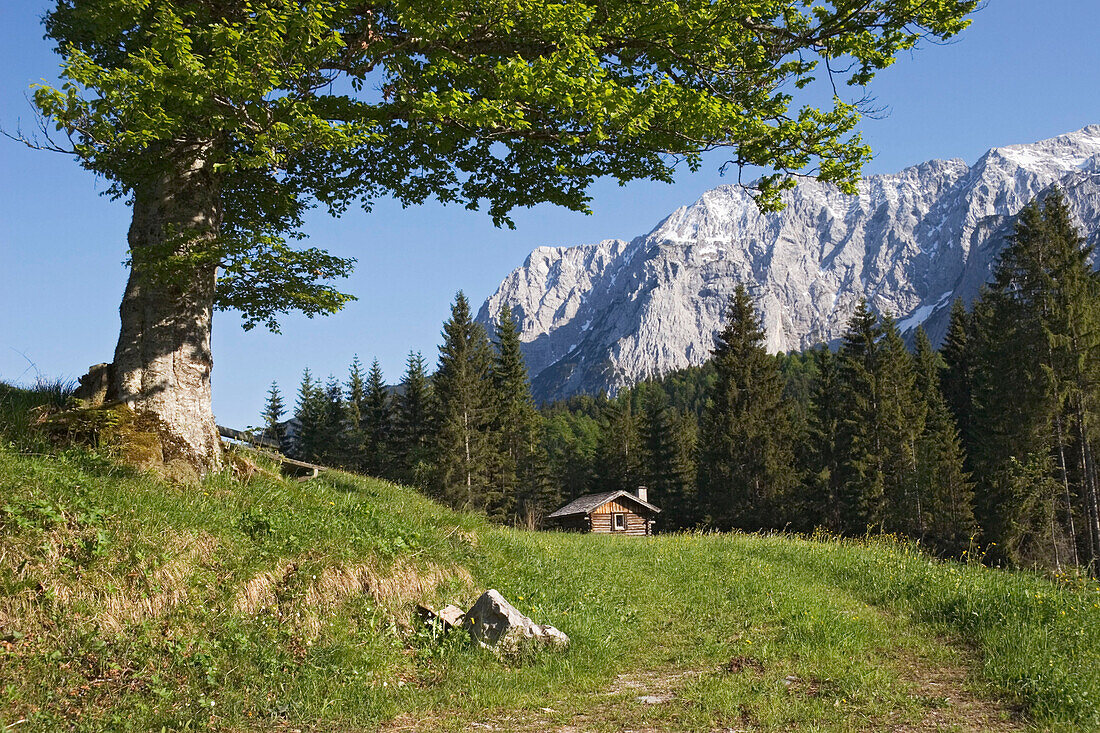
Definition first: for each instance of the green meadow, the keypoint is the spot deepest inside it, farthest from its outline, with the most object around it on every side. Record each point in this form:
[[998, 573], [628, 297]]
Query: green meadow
[[251, 602]]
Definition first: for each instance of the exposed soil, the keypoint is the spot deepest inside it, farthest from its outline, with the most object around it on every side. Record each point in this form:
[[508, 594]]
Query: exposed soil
[[951, 701]]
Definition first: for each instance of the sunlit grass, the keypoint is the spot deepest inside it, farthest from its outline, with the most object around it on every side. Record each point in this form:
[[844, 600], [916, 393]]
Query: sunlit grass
[[129, 603]]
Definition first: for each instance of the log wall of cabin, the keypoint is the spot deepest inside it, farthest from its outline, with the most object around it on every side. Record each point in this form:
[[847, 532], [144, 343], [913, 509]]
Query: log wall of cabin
[[602, 521]]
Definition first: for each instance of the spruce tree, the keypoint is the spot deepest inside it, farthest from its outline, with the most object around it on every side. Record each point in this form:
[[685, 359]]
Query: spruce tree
[[356, 390], [860, 444], [800, 373], [879, 418], [335, 448], [463, 399], [1004, 410], [746, 461], [1035, 390], [1073, 336], [521, 483], [413, 429], [377, 422], [274, 409], [956, 377], [825, 500], [901, 421], [309, 413], [356, 405], [943, 489]]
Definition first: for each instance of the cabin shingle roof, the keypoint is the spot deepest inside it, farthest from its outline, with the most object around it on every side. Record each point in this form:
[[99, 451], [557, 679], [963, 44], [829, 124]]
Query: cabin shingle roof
[[588, 502]]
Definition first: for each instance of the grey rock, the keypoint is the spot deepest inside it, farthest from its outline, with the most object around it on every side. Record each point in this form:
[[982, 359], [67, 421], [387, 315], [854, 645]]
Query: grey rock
[[599, 317], [451, 615], [496, 624], [446, 618]]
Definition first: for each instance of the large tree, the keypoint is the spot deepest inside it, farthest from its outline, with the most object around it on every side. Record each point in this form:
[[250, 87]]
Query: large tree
[[1036, 389], [520, 480], [412, 425], [222, 121], [746, 461], [464, 447]]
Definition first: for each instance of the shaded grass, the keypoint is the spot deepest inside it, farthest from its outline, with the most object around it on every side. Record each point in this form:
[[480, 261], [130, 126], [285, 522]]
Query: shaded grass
[[128, 603]]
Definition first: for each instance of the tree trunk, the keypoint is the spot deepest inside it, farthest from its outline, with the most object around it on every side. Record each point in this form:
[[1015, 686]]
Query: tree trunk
[[162, 362], [1065, 483]]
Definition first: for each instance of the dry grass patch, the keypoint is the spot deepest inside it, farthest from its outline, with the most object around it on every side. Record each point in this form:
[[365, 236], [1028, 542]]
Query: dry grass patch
[[282, 591], [151, 594], [113, 602], [260, 592]]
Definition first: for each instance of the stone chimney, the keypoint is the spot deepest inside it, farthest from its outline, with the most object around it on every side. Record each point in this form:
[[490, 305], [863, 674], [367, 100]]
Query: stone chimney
[[642, 493]]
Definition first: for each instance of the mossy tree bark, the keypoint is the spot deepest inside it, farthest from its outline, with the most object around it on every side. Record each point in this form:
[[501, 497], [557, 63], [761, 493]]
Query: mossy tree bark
[[162, 362]]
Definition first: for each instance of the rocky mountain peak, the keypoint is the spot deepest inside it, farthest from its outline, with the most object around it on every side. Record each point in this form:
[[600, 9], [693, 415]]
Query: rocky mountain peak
[[597, 317]]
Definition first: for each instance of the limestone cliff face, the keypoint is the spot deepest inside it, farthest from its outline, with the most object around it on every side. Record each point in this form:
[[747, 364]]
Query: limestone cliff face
[[598, 317]]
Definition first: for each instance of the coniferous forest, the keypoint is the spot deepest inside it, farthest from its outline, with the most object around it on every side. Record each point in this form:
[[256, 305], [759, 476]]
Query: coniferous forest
[[985, 447]]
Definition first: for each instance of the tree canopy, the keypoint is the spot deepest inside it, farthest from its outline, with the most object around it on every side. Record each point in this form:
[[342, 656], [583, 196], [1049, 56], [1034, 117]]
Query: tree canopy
[[484, 103], [223, 121]]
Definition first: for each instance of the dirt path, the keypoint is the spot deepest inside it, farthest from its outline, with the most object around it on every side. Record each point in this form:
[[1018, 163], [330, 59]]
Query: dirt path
[[649, 702], [952, 704]]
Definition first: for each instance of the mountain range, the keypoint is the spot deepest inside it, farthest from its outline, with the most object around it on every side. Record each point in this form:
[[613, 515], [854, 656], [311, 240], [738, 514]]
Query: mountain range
[[598, 317]]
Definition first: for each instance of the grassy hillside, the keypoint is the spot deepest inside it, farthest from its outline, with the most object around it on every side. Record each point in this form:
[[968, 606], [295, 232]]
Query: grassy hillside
[[128, 603]]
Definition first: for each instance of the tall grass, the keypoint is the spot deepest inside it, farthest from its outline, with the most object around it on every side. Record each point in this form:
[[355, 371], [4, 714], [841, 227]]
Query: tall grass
[[18, 405]]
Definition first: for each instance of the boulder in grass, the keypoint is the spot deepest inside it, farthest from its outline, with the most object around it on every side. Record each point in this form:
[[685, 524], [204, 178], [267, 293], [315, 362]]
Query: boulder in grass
[[495, 623]]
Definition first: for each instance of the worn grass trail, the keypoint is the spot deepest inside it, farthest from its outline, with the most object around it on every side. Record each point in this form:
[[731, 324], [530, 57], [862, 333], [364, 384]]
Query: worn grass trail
[[130, 604], [709, 633]]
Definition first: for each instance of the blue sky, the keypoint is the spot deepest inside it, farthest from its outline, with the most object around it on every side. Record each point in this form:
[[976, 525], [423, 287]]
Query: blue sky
[[1024, 71]]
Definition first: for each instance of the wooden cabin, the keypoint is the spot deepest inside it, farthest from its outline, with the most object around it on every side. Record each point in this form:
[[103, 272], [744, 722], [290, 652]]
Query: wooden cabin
[[612, 512]]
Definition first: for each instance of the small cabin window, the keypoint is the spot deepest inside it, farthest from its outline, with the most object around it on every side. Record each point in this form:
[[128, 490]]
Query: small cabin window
[[618, 522]]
